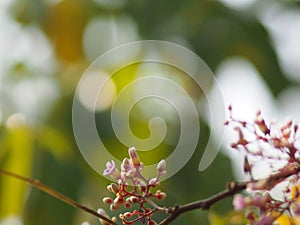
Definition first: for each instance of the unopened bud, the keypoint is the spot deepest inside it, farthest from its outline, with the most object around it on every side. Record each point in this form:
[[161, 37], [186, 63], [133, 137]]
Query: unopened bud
[[115, 188], [135, 159], [160, 195], [107, 200], [134, 199], [142, 188], [239, 202], [127, 204], [114, 207], [153, 182], [260, 122], [117, 203], [286, 133], [259, 200], [161, 167], [103, 213], [119, 200], [247, 167], [126, 165], [109, 188], [127, 214]]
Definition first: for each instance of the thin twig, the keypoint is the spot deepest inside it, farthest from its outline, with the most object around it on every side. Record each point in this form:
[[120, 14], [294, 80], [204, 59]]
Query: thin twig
[[205, 204], [55, 194]]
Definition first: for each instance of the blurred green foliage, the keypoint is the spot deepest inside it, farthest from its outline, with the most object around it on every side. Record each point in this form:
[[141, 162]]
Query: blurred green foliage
[[47, 150]]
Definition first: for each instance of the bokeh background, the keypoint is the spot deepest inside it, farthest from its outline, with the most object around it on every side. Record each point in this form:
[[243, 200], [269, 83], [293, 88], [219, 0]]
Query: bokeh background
[[252, 46]]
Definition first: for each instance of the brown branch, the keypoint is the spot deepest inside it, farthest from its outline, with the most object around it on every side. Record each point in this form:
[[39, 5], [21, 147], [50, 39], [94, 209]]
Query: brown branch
[[55, 194], [204, 204], [233, 188]]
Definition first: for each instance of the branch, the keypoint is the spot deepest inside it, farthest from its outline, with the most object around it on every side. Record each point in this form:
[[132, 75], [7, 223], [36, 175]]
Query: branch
[[55, 194], [233, 188], [205, 204]]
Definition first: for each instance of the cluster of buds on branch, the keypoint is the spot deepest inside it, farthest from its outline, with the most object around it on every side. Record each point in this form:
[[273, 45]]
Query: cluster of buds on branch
[[276, 145], [132, 188]]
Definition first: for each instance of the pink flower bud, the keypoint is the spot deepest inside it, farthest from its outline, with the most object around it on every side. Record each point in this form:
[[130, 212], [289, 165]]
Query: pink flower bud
[[107, 200], [134, 199], [260, 200], [117, 203], [153, 182], [114, 207], [134, 157], [239, 202], [260, 122], [142, 188], [127, 204], [103, 213], [127, 214], [126, 165], [266, 220], [160, 195], [286, 133], [161, 167], [115, 188], [109, 188]]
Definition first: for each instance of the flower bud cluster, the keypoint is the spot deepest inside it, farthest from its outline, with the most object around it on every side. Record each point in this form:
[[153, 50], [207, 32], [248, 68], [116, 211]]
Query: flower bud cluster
[[261, 208], [131, 187], [276, 145], [274, 141], [258, 208]]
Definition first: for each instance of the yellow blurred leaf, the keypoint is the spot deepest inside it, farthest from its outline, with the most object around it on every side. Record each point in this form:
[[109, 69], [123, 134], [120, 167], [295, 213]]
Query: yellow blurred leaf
[[215, 219], [18, 143], [65, 24], [232, 218], [283, 220]]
